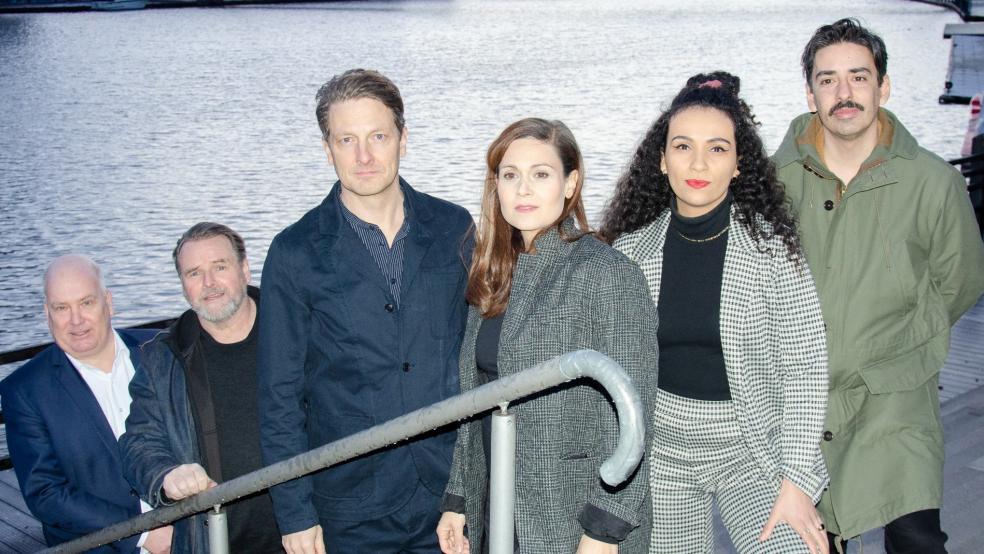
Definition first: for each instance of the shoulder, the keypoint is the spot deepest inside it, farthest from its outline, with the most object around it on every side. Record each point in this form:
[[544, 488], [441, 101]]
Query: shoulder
[[591, 258], [441, 213], [137, 336], [33, 372], [300, 230]]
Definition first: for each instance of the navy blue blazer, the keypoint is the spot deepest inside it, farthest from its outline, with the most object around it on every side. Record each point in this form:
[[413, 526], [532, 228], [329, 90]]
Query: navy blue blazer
[[337, 355], [64, 453]]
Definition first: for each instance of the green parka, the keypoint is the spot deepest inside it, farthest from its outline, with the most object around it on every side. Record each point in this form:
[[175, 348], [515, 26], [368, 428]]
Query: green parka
[[897, 258]]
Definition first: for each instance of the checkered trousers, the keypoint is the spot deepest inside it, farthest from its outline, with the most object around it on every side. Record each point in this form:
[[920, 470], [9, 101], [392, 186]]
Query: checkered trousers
[[699, 456]]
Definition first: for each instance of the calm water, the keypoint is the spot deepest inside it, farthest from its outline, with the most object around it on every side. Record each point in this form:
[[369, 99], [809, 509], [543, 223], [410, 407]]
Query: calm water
[[119, 130]]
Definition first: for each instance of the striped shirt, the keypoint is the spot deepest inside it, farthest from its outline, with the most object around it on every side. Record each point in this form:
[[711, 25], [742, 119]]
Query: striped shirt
[[389, 259]]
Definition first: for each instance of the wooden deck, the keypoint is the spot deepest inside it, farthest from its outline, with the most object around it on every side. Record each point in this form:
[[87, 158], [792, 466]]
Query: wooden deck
[[19, 531]]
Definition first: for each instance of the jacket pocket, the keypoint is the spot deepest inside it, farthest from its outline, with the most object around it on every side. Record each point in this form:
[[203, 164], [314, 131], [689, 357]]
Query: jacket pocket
[[908, 371], [350, 480]]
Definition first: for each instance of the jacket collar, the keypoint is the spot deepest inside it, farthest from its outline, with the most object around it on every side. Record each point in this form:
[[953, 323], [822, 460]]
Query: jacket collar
[[800, 143], [653, 237], [331, 219]]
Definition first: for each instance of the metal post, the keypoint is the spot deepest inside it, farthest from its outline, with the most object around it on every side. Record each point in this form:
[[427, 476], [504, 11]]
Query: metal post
[[502, 482], [218, 531]]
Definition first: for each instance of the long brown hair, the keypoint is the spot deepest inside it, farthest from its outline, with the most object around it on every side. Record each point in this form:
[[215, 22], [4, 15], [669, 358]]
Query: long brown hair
[[497, 243]]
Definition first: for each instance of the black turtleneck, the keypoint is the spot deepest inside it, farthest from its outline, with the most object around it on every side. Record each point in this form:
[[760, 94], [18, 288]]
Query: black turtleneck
[[691, 363]]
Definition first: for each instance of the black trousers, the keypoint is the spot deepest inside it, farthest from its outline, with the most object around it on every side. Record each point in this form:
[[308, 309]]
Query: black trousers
[[915, 533]]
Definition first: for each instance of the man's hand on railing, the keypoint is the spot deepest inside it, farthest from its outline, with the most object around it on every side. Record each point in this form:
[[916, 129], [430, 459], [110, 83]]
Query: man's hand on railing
[[308, 541], [451, 533], [159, 540], [186, 480]]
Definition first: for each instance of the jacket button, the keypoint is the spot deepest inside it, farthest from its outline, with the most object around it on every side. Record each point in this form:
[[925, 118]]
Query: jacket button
[[828, 205], [828, 436], [389, 307], [406, 367]]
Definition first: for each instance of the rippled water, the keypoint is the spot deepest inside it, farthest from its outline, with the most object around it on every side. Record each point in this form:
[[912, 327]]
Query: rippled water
[[120, 130]]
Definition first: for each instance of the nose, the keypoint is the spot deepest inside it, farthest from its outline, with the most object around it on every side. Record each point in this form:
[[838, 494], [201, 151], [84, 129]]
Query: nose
[[75, 315], [524, 188], [363, 156], [698, 162], [207, 278], [843, 90]]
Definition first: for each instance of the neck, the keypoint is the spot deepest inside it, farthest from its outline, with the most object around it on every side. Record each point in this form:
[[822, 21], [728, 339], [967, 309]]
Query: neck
[[384, 210], [234, 329], [104, 359], [844, 156]]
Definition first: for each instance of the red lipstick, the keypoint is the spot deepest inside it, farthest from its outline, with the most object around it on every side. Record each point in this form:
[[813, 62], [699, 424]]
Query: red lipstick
[[697, 183]]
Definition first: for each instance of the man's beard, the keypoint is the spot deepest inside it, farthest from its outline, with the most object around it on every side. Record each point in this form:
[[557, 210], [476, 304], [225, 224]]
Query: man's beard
[[220, 313]]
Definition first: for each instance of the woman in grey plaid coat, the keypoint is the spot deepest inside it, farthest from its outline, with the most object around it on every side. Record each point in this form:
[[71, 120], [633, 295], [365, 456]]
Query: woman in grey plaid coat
[[540, 286], [743, 369]]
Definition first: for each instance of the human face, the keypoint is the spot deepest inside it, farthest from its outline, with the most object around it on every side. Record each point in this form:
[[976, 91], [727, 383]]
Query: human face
[[844, 91], [213, 280], [700, 159], [532, 187], [78, 310], [364, 146]]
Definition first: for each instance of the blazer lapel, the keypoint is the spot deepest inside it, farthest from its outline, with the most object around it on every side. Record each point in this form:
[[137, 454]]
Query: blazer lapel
[[649, 253], [81, 395], [341, 245], [737, 281]]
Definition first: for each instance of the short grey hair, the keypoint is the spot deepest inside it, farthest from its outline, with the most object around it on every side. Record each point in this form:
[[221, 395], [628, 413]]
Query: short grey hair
[[206, 230]]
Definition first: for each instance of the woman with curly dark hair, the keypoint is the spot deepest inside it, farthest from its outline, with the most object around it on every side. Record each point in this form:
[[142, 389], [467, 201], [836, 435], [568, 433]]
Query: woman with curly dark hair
[[742, 387]]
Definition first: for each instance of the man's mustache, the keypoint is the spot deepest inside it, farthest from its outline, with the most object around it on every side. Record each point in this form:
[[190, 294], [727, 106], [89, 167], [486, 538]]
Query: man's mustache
[[845, 104]]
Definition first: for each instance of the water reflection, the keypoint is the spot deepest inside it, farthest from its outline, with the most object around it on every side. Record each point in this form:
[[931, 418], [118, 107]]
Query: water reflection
[[120, 130]]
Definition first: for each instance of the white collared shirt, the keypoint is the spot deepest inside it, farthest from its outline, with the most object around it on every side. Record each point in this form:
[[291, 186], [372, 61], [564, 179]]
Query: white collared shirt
[[112, 392]]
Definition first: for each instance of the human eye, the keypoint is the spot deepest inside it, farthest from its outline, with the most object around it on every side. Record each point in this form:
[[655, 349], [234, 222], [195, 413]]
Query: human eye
[[59, 308], [718, 148], [541, 174], [507, 175], [682, 146], [192, 273], [379, 137], [860, 78]]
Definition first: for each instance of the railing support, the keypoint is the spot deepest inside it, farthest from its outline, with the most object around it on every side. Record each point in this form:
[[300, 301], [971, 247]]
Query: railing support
[[218, 531], [502, 482], [574, 365]]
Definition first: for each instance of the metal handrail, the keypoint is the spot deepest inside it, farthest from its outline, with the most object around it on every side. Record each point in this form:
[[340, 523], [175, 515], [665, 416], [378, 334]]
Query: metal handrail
[[583, 363]]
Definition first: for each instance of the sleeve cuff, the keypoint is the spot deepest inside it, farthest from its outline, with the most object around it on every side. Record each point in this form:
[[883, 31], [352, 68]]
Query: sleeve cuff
[[603, 526], [453, 503], [810, 483]]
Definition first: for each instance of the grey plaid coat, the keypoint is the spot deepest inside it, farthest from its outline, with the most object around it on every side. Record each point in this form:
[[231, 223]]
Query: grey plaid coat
[[774, 344], [568, 296]]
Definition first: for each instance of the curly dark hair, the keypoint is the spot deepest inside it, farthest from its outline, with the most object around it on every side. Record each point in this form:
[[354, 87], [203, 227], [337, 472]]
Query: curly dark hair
[[643, 192]]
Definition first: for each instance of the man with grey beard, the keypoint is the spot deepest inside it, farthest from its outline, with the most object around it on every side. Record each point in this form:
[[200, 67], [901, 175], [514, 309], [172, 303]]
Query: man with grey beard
[[193, 420]]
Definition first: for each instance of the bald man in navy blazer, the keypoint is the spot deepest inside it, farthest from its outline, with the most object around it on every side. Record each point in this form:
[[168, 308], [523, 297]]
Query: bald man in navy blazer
[[64, 411]]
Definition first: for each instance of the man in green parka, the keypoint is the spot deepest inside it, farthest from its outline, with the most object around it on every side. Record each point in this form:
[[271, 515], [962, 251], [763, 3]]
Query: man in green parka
[[896, 253]]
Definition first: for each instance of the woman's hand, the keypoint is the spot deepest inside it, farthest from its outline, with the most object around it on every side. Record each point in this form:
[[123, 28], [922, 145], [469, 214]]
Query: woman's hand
[[592, 546], [451, 533], [794, 508]]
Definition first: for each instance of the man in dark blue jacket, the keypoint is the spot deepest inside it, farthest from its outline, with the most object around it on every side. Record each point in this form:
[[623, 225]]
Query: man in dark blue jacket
[[361, 320], [65, 410]]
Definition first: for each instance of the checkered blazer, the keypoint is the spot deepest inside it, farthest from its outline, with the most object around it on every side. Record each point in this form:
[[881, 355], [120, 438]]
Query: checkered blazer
[[774, 344], [568, 296]]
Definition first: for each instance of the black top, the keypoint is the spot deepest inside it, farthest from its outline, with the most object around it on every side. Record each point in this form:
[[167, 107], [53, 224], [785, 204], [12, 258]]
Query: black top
[[691, 363], [231, 370]]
